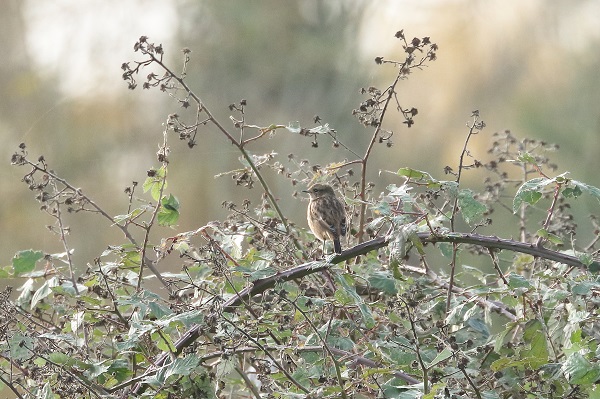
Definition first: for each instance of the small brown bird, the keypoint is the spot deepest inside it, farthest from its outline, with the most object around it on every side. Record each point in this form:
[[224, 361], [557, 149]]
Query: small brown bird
[[326, 215]]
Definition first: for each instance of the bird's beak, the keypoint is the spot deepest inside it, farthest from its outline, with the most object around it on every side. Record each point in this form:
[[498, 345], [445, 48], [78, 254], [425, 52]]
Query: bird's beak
[[305, 191]]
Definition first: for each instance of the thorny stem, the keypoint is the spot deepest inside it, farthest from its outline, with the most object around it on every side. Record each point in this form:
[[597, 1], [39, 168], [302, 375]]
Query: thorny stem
[[11, 386], [239, 145], [522, 210], [87, 199], [99, 210], [493, 306], [365, 158], [261, 285], [268, 354], [145, 259], [356, 360], [63, 239], [391, 93], [539, 240], [470, 381], [473, 129], [115, 309], [336, 364], [248, 382], [497, 266], [232, 285], [417, 348], [95, 389]]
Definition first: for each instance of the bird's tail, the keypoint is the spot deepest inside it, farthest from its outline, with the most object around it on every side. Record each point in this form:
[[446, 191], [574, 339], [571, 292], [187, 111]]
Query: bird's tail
[[337, 246]]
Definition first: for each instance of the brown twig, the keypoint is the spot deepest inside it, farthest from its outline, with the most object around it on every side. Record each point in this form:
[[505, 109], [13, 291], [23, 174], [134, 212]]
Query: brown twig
[[261, 285], [474, 128], [540, 239], [238, 144]]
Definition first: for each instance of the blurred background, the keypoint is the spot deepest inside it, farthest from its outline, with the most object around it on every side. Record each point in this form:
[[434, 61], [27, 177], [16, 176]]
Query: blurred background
[[532, 67]]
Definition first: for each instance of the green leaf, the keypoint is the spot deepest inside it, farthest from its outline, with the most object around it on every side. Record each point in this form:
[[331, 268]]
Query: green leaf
[[187, 319], [490, 395], [384, 282], [130, 216], [351, 292], [131, 258], [554, 239], [96, 369], [553, 296], [445, 249], [530, 192], [396, 388], [572, 192], [43, 291], [404, 239], [418, 175], [46, 392], [156, 183], [443, 355], [594, 267], [159, 310], [580, 371], [21, 347], [164, 342], [416, 241], [527, 158], [168, 215], [478, 325], [435, 391], [586, 259], [537, 354], [586, 188], [262, 273], [401, 193], [6, 272], [183, 366], [471, 209], [451, 187], [399, 246], [583, 288], [499, 340], [518, 281], [120, 369], [24, 261]]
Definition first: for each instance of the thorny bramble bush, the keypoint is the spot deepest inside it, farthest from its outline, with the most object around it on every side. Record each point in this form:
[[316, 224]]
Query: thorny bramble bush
[[257, 310]]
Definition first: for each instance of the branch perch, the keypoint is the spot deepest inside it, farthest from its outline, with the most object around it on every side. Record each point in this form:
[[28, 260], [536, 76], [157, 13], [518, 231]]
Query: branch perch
[[262, 285]]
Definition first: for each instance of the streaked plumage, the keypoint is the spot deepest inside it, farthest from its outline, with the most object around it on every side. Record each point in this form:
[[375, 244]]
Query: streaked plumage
[[326, 215]]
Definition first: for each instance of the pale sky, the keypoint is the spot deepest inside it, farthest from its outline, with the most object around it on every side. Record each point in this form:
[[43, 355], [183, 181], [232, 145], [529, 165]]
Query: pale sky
[[85, 42]]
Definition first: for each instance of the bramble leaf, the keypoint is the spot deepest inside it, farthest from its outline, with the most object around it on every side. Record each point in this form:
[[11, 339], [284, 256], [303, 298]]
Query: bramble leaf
[[168, 215], [471, 209], [24, 261]]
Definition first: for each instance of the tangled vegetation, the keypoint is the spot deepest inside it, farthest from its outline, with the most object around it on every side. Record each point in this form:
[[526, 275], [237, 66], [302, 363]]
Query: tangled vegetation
[[256, 310]]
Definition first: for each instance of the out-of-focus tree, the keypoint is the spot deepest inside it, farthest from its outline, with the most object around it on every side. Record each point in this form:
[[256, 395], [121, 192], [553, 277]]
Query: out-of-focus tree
[[532, 64], [291, 60]]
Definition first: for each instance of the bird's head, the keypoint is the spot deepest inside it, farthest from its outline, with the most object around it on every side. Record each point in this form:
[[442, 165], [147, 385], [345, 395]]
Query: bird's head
[[319, 190]]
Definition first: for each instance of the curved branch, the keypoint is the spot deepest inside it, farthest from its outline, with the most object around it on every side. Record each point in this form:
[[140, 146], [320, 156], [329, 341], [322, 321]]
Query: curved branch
[[262, 285], [493, 242]]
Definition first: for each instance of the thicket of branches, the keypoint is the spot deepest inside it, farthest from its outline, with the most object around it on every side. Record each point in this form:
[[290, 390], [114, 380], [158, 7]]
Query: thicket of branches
[[256, 310]]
